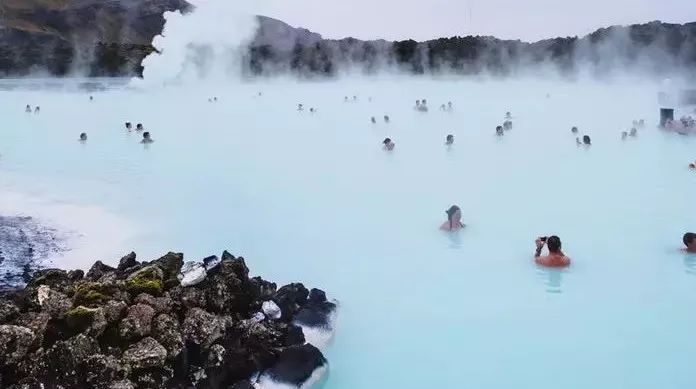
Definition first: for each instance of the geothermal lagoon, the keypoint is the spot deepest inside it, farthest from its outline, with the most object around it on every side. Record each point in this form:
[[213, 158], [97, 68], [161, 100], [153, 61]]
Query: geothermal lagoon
[[314, 198]]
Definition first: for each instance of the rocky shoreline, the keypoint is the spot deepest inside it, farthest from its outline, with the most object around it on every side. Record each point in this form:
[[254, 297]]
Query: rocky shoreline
[[160, 324]]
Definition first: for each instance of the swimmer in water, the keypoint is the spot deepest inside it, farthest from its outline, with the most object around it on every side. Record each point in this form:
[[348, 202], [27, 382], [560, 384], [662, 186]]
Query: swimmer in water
[[146, 138], [139, 127], [443, 108], [454, 219], [423, 107], [692, 165], [586, 140], [634, 132], [449, 106], [499, 131], [418, 103], [355, 98], [37, 109], [507, 125], [624, 135], [129, 126], [574, 130], [449, 140], [91, 98], [83, 137], [388, 144], [215, 99], [300, 107], [27, 109], [311, 110], [508, 115], [641, 123], [555, 258], [345, 99], [373, 120], [689, 240], [386, 118], [578, 142]]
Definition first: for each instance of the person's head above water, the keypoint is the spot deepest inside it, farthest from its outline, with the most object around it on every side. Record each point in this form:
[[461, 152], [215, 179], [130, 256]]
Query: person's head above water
[[450, 139], [139, 126], [574, 130], [586, 140], [454, 218], [689, 240], [83, 136], [386, 141], [129, 125], [499, 130], [554, 244]]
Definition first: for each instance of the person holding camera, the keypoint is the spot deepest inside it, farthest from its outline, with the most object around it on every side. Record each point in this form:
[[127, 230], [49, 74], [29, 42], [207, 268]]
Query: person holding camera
[[555, 257]]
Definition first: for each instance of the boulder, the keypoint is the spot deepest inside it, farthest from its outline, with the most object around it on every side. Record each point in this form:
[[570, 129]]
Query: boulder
[[8, 311], [35, 321], [56, 279], [210, 262], [262, 289], [52, 302], [165, 329], [170, 264], [159, 304], [127, 262], [271, 310], [123, 384], [296, 364], [137, 323], [98, 270], [147, 353], [14, 343], [148, 280], [192, 273], [290, 298], [100, 370], [203, 328]]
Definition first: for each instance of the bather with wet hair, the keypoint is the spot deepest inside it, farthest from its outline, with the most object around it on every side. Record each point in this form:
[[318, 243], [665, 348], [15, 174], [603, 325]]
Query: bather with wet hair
[[454, 219]]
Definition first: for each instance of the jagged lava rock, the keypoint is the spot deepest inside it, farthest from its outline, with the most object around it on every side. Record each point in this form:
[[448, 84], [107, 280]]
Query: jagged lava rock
[[137, 326]]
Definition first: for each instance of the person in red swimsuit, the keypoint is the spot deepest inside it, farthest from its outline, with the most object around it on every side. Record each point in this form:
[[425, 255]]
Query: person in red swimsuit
[[555, 258]]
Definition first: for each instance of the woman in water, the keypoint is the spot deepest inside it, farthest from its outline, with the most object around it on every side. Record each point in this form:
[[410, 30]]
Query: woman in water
[[454, 219]]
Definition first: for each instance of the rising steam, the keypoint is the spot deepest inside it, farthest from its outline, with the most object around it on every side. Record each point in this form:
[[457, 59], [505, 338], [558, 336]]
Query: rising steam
[[207, 43]]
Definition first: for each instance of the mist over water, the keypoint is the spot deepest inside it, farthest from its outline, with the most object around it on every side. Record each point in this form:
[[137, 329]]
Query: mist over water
[[314, 198]]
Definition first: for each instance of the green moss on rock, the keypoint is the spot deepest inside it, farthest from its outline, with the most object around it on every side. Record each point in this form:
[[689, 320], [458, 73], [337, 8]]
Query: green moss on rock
[[147, 280], [92, 293]]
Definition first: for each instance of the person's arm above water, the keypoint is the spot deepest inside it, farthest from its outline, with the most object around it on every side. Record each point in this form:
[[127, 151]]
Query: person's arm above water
[[539, 246]]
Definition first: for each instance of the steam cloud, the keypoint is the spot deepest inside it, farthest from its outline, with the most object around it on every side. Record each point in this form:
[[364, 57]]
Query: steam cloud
[[208, 43]]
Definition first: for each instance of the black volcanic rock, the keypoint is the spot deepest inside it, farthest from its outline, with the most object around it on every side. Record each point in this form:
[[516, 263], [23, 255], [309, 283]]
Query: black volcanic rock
[[103, 331]]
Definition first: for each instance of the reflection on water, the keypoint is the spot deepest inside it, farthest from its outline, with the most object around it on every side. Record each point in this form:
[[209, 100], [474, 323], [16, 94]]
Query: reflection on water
[[690, 263], [553, 278], [455, 240]]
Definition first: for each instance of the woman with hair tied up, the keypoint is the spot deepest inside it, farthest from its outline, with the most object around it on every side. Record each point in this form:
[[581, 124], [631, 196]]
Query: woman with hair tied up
[[454, 219]]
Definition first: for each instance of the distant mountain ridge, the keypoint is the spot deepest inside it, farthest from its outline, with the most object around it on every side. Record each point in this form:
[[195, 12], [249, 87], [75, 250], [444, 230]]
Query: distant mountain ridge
[[111, 38]]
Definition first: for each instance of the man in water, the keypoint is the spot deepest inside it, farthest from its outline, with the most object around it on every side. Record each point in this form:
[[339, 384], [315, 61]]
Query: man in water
[[586, 140], [507, 125], [634, 132], [83, 137], [574, 130], [28, 109], [689, 240], [300, 107], [146, 138], [139, 127], [388, 144], [129, 126], [37, 109], [449, 140], [555, 258], [499, 131], [624, 135], [454, 219]]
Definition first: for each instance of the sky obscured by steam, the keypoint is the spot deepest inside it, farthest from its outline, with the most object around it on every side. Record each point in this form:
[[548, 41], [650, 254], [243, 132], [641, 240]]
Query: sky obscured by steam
[[528, 20]]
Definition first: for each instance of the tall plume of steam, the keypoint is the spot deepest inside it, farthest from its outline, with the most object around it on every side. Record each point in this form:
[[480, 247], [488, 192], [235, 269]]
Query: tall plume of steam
[[208, 43]]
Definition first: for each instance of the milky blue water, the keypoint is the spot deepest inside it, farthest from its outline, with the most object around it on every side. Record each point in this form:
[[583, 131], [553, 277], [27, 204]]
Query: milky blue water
[[314, 198]]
